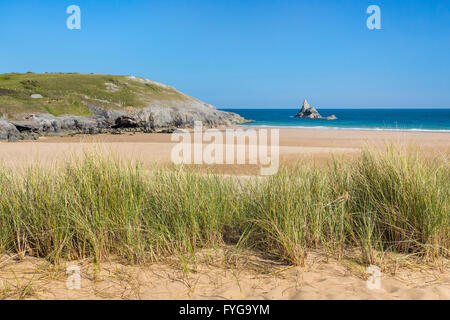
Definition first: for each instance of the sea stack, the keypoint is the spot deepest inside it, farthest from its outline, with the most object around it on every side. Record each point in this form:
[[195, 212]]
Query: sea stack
[[308, 112]]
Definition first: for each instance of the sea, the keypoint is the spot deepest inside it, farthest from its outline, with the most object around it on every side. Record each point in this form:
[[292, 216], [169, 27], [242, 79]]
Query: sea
[[435, 120]]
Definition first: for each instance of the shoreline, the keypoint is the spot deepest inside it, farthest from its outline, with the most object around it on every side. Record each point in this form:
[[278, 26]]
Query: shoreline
[[295, 145], [346, 128], [388, 119]]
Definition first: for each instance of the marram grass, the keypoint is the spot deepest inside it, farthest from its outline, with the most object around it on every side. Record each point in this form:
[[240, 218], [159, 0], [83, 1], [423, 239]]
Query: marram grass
[[99, 207]]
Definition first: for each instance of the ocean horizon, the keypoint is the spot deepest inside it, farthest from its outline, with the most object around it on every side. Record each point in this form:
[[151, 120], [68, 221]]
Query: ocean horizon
[[426, 120]]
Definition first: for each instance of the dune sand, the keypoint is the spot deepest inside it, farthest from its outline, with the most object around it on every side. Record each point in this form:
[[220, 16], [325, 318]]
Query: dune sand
[[220, 274]]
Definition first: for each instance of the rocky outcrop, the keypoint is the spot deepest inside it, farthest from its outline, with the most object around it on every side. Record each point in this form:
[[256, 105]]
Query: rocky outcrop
[[8, 131], [308, 112], [161, 117]]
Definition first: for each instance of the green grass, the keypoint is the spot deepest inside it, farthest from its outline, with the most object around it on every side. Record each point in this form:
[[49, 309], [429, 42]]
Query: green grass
[[63, 93], [99, 207]]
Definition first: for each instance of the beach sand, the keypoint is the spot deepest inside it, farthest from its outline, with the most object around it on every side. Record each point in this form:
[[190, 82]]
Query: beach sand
[[155, 149], [221, 275]]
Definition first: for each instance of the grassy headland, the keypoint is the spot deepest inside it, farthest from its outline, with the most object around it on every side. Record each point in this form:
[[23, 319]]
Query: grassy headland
[[98, 207], [63, 93]]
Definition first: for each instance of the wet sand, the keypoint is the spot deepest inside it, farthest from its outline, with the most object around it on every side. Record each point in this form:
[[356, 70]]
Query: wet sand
[[295, 145]]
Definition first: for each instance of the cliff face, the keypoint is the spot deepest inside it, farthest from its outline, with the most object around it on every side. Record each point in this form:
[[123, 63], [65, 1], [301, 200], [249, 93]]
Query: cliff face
[[308, 112], [32, 105]]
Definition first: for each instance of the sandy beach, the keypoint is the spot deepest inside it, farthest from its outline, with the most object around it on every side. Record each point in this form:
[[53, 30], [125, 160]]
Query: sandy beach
[[220, 274], [316, 145]]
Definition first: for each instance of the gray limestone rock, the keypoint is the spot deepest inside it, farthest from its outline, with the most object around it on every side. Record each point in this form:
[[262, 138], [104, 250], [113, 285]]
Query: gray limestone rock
[[308, 112], [8, 131], [165, 117]]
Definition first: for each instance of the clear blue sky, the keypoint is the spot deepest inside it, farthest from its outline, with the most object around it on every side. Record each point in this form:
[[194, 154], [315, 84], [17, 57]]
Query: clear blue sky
[[245, 53]]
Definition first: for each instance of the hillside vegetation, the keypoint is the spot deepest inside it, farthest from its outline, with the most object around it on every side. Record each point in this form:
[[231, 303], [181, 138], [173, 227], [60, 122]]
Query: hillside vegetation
[[63, 93]]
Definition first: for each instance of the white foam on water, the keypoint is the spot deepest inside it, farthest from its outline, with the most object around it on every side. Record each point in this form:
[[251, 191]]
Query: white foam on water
[[352, 128]]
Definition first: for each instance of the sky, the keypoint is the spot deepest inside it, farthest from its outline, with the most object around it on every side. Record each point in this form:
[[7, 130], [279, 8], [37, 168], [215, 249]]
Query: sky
[[252, 53]]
